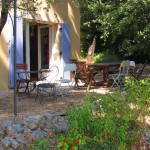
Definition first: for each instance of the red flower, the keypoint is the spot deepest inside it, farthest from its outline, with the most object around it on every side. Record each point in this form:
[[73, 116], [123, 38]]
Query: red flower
[[103, 135], [66, 140], [72, 148], [107, 132], [88, 139], [103, 139], [76, 142]]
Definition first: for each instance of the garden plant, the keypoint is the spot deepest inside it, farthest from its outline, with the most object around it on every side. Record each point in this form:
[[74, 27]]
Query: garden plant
[[111, 121]]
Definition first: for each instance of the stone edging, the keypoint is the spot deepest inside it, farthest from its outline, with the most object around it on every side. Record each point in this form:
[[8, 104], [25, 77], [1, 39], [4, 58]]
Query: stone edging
[[14, 135]]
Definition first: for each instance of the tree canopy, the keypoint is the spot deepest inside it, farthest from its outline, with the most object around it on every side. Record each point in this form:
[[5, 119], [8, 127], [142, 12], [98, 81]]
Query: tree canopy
[[121, 26]]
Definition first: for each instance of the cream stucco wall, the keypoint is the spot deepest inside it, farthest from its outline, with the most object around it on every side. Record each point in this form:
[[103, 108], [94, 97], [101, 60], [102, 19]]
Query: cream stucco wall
[[64, 11], [4, 59]]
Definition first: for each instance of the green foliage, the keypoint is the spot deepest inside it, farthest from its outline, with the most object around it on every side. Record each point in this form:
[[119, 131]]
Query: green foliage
[[42, 144], [121, 27], [125, 24], [89, 25], [111, 121], [106, 57]]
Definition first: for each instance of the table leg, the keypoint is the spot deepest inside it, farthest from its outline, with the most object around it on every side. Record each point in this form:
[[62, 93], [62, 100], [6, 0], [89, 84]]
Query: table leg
[[107, 75]]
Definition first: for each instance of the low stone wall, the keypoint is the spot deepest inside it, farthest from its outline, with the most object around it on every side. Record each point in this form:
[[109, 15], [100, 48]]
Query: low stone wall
[[16, 135]]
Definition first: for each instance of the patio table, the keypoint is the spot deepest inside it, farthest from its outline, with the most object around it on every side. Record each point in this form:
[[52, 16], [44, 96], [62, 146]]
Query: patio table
[[105, 67]]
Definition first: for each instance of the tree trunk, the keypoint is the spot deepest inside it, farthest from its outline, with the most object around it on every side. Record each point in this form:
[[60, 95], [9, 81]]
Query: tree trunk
[[4, 13]]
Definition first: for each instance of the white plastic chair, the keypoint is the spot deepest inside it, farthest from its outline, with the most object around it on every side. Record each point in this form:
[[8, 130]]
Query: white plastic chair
[[118, 79], [66, 85], [131, 66]]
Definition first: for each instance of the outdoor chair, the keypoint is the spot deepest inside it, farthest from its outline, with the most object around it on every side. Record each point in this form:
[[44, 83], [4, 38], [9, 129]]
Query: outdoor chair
[[85, 76], [22, 80], [81, 74], [118, 79], [46, 84], [66, 85], [138, 71]]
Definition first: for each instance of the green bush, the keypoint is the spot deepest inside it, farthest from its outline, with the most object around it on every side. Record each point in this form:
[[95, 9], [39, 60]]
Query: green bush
[[106, 57], [41, 144], [112, 121]]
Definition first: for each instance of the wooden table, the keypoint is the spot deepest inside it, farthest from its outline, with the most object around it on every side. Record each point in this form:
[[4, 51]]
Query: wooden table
[[106, 68]]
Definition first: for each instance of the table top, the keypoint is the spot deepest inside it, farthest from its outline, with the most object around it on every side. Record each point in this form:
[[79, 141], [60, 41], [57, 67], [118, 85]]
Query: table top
[[105, 64], [35, 71]]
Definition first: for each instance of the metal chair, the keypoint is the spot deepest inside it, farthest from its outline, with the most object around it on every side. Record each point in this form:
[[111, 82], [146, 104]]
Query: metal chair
[[46, 83], [137, 73], [118, 79], [66, 85]]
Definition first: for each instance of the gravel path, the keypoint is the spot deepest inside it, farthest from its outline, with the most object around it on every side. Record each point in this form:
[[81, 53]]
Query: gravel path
[[26, 105]]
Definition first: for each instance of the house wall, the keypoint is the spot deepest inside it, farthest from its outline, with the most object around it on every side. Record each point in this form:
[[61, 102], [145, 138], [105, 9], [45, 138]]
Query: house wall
[[64, 11], [4, 59]]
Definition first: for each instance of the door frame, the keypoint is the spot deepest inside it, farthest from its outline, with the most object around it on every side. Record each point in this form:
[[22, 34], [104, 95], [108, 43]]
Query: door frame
[[39, 43], [27, 44], [51, 43]]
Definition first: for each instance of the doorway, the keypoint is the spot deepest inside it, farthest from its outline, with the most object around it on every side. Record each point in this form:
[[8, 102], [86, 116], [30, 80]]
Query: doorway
[[44, 46], [37, 45]]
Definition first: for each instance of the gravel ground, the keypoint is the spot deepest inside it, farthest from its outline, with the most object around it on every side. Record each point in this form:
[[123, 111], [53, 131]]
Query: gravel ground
[[26, 105]]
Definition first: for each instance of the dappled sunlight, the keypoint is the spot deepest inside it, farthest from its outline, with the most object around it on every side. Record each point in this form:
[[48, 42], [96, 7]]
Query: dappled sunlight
[[3, 60], [101, 90], [4, 54], [55, 55], [74, 18], [71, 16]]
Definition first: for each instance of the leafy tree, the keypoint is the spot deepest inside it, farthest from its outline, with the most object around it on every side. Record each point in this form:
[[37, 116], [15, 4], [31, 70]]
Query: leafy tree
[[126, 28], [89, 11], [121, 27]]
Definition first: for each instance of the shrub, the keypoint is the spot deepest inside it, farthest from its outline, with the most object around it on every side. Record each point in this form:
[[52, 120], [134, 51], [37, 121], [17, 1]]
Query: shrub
[[111, 121], [106, 57], [41, 144]]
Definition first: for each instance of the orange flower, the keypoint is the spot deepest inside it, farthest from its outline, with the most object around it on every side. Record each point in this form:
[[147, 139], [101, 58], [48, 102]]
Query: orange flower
[[66, 140], [107, 132], [72, 148], [103, 139], [76, 142], [88, 139]]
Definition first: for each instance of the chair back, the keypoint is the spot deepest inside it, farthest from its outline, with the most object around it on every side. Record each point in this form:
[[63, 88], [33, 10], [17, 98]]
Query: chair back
[[22, 67], [124, 67], [140, 70], [70, 67], [48, 73], [131, 66]]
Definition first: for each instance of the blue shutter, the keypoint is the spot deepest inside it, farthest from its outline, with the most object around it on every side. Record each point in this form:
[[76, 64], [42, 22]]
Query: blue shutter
[[19, 47], [65, 47]]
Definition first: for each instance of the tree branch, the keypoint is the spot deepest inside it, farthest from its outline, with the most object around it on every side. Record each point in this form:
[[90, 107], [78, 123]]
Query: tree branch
[[4, 13]]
